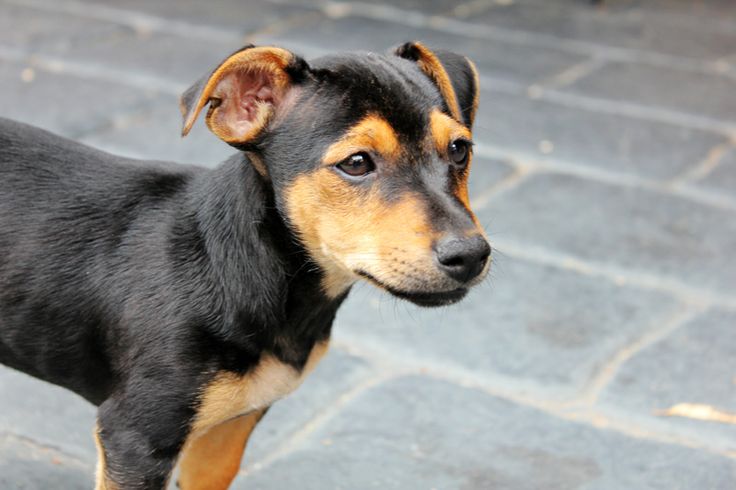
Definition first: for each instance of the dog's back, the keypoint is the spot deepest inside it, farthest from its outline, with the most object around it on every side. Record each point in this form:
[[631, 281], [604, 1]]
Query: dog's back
[[66, 212]]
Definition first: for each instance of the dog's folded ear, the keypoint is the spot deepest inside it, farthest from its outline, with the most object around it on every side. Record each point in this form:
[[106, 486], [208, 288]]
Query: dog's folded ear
[[243, 92], [454, 75]]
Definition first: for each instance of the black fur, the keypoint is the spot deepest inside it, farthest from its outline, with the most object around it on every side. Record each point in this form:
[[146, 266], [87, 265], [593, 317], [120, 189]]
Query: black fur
[[133, 283]]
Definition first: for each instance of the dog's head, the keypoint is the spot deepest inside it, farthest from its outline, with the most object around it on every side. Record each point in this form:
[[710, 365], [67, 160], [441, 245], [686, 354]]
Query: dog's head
[[368, 156]]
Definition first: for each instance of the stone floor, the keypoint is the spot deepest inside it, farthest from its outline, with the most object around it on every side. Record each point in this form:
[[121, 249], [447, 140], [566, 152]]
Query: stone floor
[[605, 173]]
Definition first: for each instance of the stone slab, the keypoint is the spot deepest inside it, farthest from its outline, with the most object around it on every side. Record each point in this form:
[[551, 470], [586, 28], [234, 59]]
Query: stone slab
[[487, 172], [695, 365], [626, 227], [155, 133], [48, 414], [506, 61], [62, 103], [619, 25], [722, 179], [337, 374], [25, 466], [415, 433], [545, 130], [700, 94], [541, 329], [34, 29]]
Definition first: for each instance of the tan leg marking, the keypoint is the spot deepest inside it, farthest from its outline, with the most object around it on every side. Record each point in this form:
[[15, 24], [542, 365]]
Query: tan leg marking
[[102, 482], [231, 395], [211, 459]]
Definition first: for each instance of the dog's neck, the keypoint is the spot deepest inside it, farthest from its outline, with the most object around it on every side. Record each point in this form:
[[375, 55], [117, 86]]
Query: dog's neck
[[269, 289]]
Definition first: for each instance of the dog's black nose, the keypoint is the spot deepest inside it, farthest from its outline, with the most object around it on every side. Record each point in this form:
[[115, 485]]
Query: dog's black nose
[[462, 258]]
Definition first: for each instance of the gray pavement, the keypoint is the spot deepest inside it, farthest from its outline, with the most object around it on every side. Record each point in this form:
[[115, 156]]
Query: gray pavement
[[605, 174]]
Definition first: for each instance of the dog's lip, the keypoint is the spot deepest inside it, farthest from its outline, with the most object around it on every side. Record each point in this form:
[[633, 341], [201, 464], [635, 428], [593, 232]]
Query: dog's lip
[[421, 298]]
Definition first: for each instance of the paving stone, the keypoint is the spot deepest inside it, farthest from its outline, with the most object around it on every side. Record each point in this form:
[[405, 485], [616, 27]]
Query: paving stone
[[62, 103], [46, 413], [180, 60], [506, 61], [183, 60], [653, 29], [235, 15], [696, 364], [24, 466], [611, 142], [56, 417], [429, 7], [622, 226], [683, 91], [723, 178], [336, 374], [540, 328], [417, 433], [35, 29], [155, 133], [486, 172]]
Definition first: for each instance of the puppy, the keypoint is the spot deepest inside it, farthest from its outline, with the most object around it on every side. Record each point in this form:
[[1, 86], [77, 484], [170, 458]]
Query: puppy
[[184, 301]]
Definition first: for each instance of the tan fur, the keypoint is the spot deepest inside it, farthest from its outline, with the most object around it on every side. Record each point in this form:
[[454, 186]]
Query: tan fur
[[432, 67], [346, 231], [265, 61], [102, 482], [372, 134], [211, 459], [231, 395], [476, 95], [445, 129]]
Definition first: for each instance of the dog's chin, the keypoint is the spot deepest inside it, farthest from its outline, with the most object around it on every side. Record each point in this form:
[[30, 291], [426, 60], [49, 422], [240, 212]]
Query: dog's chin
[[428, 299], [431, 300]]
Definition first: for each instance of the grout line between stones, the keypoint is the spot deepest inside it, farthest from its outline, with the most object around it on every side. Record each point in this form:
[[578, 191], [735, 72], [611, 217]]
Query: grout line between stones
[[568, 76], [92, 71], [520, 393], [138, 21], [621, 277], [143, 21], [520, 174], [533, 166], [608, 371], [318, 421], [638, 111], [278, 27], [41, 448], [703, 168], [527, 38], [609, 106]]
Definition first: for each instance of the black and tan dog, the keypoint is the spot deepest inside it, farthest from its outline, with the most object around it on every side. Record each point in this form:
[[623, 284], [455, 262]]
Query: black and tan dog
[[185, 301]]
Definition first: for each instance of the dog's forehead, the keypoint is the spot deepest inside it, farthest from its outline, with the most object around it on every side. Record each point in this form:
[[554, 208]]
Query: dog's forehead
[[386, 85]]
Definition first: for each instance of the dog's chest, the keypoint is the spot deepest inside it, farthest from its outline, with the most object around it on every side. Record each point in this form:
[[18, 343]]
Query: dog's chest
[[230, 395]]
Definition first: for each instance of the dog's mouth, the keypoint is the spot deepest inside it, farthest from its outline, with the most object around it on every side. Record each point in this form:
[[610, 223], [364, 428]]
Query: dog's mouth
[[421, 298]]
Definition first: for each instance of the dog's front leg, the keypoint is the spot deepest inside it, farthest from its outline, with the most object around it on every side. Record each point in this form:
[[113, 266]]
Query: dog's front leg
[[210, 460], [136, 452]]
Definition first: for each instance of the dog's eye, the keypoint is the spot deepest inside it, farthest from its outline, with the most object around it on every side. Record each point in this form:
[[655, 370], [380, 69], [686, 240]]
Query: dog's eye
[[458, 152], [357, 165]]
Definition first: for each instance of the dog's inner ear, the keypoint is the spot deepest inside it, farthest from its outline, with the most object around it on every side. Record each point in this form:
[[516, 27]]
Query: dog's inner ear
[[243, 93]]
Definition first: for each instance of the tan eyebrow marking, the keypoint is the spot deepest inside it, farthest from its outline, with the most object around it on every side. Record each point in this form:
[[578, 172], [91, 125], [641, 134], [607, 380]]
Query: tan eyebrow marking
[[372, 133], [445, 129]]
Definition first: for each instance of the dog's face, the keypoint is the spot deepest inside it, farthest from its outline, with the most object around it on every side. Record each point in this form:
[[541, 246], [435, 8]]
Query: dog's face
[[369, 157]]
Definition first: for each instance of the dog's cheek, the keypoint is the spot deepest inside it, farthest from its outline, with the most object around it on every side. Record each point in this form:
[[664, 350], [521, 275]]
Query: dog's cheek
[[319, 207]]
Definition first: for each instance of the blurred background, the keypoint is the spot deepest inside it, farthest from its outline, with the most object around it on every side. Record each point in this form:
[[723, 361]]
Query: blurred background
[[602, 352]]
